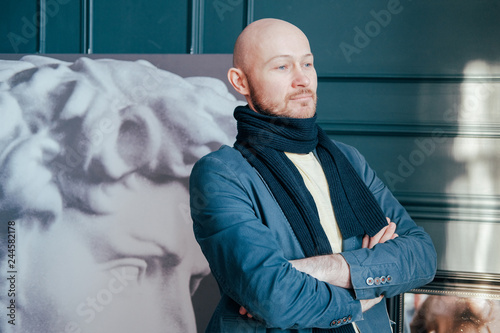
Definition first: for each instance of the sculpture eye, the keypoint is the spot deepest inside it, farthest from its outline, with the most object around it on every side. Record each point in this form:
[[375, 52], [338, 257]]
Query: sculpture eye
[[125, 272]]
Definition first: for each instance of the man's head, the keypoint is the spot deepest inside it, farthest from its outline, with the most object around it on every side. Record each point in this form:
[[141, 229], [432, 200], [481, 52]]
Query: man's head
[[273, 69]]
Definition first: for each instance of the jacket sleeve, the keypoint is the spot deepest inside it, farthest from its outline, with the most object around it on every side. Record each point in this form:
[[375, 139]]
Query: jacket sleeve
[[395, 266], [247, 261]]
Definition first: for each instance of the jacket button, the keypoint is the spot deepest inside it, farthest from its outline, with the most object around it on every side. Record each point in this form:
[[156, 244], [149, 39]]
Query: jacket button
[[377, 281], [369, 281], [389, 278], [383, 279]]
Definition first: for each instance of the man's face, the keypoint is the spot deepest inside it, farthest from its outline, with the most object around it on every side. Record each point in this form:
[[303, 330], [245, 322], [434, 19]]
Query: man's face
[[281, 78]]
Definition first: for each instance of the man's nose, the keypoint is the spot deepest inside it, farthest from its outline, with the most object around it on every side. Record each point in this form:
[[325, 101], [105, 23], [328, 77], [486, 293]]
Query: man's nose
[[301, 79]]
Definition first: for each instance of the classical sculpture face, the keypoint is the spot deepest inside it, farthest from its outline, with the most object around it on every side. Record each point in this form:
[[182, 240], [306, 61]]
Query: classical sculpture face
[[94, 162]]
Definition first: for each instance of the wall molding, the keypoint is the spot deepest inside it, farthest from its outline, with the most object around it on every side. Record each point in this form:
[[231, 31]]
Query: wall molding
[[441, 207], [414, 130], [407, 78], [196, 17], [87, 26], [249, 12]]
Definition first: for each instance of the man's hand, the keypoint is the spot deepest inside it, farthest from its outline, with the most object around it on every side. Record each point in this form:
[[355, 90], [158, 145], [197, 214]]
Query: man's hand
[[367, 304], [244, 312], [386, 233]]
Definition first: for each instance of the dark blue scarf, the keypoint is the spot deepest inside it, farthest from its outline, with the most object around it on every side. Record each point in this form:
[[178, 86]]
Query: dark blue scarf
[[263, 139]]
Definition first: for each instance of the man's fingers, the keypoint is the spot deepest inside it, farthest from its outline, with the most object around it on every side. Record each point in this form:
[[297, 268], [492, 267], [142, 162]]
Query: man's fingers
[[389, 232], [385, 234], [376, 239], [244, 311], [367, 304], [366, 242]]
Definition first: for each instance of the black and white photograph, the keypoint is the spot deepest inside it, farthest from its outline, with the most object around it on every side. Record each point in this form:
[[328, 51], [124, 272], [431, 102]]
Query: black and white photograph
[[95, 159]]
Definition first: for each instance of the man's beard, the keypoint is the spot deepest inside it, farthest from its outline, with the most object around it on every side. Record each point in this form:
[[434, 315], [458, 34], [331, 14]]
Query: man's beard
[[273, 109]]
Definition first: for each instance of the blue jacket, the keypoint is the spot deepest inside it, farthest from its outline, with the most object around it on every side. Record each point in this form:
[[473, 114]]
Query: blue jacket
[[248, 242]]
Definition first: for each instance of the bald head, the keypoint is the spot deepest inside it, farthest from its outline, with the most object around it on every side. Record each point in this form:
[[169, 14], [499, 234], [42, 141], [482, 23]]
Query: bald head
[[258, 35], [274, 70]]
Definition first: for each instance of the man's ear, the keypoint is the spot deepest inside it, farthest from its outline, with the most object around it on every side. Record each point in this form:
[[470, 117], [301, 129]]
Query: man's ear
[[238, 80]]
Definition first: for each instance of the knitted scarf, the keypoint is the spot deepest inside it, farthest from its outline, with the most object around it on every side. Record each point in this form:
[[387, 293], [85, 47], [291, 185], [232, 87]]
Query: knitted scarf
[[263, 139]]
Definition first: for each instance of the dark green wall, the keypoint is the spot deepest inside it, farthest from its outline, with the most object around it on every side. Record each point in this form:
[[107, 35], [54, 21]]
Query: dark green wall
[[376, 37]]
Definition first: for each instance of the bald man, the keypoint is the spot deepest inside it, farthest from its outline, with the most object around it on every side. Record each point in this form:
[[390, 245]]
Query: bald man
[[299, 232]]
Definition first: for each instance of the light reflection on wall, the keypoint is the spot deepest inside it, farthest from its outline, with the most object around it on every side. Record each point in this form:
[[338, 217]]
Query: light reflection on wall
[[471, 242]]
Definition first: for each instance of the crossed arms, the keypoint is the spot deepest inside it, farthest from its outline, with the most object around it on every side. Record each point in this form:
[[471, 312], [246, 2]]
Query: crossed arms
[[249, 244], [334, 269]]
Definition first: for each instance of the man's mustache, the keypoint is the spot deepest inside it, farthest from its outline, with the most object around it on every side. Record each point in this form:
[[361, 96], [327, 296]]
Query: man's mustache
[[302, 92]]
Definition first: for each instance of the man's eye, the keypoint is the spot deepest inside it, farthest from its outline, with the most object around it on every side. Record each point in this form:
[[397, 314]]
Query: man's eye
[[308, 64], [282, 67]]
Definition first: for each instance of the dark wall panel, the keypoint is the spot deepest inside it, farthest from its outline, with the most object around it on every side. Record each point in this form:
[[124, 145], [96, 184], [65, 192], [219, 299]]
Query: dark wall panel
[[223, 20], [433, 163], [393, 37], [410, 104], [140, 26], [382, 37], [65, 28], [19, 26]]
